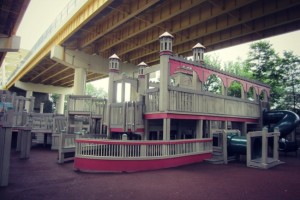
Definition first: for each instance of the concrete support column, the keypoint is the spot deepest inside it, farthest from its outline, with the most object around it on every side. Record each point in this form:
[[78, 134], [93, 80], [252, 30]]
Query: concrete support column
[[199, 129], [3, 74], [79, 81], [166, 129], [60, 104], [27, 103]]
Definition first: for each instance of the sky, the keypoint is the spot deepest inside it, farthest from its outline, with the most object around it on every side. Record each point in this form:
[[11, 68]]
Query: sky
[[41, 13]]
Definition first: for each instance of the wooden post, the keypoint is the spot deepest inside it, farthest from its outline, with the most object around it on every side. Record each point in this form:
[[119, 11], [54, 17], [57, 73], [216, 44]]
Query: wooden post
[[264, 153], [224, 140], [166, 129], [244, 128], [275, 144], [249, 153], [42, 108], [25, 143], [5, 146], [199, 129]]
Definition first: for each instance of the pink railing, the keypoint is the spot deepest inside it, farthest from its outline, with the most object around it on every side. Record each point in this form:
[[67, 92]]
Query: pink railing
[[118, 155]]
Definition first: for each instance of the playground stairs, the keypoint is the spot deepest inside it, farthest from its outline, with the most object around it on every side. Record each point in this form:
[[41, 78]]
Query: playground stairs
[[218, 157]]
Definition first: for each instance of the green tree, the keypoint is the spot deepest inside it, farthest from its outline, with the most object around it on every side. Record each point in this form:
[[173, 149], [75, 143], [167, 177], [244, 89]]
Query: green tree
[[235, 90], [238, 68], [213, 84], [265, 63], [290, 65], [213, 61], [95, 92]]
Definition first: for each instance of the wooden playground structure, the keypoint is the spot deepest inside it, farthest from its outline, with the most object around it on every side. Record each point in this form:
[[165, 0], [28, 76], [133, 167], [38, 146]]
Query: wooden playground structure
[[157, 117]]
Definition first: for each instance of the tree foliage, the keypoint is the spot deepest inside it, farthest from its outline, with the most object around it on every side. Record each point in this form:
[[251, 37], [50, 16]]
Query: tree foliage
[[290, 65], [95, 92], [90, 90], [265, 63], [213, 83], [238, 68], [235, 89]]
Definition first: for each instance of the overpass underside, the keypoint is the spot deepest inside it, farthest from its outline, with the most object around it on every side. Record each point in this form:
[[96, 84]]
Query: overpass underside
[[130, 29]]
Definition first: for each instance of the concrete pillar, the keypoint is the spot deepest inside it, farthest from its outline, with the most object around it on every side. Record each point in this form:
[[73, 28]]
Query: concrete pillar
[[4, 74], [123, 92], [27, 103], [79, 81], [166, 40], [60, 104]]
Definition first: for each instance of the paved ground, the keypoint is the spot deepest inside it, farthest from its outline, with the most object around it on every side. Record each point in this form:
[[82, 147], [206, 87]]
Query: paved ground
[[41, 178]]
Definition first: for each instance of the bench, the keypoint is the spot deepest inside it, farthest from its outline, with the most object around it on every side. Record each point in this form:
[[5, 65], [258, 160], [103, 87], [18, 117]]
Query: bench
[[66, 149]]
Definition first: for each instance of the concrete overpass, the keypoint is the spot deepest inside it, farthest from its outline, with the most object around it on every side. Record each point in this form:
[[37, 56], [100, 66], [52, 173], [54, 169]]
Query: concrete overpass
[[11, 14], [75, 49]]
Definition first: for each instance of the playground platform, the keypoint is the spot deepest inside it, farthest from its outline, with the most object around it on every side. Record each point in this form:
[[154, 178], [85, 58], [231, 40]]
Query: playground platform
[[40, 177]]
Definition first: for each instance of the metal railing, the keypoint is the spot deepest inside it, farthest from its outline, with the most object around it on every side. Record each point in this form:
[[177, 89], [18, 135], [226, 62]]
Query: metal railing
[[68, 11]]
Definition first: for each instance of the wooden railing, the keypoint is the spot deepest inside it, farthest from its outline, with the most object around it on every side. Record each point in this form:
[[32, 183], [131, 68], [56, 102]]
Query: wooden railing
[[152, 100], [98, 149], [128, 115], [192, 101], [85, 103]]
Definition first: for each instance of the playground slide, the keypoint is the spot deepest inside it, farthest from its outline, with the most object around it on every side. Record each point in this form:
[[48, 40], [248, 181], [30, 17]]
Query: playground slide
[[285, 120]]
